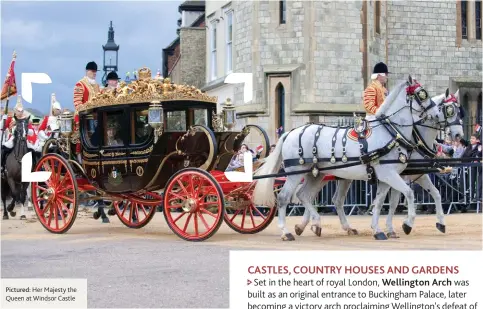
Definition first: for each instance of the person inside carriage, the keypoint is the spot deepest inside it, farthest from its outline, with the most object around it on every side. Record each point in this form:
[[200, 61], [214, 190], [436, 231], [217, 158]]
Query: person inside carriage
[[112, 133]]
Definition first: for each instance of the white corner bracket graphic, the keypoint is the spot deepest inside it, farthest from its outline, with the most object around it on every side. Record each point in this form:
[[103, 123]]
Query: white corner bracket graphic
[[32, 78], [245, 176], [28, 175], [242, 78]]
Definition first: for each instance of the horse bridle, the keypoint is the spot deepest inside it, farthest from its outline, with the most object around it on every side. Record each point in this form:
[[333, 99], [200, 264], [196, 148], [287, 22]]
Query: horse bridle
[[19, 137]]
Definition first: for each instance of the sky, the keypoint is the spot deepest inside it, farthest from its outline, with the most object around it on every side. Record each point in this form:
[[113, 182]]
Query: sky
[[60, 37]]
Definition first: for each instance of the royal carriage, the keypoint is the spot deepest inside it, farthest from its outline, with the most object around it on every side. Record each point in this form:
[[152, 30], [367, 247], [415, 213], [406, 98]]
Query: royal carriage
[[172, 150]]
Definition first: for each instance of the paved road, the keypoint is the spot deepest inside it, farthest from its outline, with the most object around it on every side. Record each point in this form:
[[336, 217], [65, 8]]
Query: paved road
[[151, 267]]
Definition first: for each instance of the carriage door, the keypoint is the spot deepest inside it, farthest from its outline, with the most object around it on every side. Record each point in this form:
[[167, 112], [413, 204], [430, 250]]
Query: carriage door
[[114, 150]]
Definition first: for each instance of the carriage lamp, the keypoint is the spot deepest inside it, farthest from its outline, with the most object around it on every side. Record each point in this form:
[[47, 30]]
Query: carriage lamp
[[155, 118], [66, 122], [229, 115]]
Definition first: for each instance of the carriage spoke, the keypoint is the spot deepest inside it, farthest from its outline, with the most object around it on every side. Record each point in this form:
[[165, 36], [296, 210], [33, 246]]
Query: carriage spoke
[[177, 196], [203, 220], [180, 183], [174, 206], [187, 222], [243, 217], [251, 217], [125, 207], [136, 211], [144, 210], [179, 217], [208, 212], [69, 212], [235, 214], [131, 211], [196, 224], [259, 213], [63, 197], [61, 212]]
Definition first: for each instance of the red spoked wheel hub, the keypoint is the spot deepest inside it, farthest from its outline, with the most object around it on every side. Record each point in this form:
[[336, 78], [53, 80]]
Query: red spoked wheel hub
[[55, 201], [136, 211], [193, 204]]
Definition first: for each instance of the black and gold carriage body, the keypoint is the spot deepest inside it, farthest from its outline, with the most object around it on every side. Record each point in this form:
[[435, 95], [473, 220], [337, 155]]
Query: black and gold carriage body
[[143, 158]]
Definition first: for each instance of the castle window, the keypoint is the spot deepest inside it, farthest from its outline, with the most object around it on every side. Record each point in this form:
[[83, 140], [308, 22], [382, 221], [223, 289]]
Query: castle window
[[280, 106], [464, 25], [377, 17], [478, 19], [229, 42], [283, 11], [213, 51]]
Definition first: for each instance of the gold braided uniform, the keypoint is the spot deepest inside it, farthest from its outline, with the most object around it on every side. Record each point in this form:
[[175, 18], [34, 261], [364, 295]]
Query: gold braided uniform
[[374, 96]]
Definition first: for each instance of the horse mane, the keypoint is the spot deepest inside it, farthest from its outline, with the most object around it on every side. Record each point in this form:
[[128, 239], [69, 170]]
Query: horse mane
[[390, 99]]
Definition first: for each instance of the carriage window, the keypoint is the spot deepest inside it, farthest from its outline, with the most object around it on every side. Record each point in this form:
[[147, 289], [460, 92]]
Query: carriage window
[[176, 121], [142, 129], [91, 132], [201, 116], [113, 129]]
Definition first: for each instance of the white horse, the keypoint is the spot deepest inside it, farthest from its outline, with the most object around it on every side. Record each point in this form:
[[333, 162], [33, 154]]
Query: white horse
[[391, 132], [448, 116]]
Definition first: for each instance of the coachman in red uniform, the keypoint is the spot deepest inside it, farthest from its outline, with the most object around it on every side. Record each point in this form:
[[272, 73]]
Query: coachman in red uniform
[[84, 90]]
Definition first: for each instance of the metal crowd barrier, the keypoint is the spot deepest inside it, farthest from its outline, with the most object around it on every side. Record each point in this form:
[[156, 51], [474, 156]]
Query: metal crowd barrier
[[463, 186]]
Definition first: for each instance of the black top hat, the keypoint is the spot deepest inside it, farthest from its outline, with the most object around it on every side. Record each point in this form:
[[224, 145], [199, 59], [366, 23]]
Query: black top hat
[[92, 66], [112, 75], [35, 121], [381, 67]]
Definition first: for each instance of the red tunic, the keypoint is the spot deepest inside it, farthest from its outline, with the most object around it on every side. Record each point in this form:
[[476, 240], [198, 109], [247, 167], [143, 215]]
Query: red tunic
[[83, 92], [7, 122]]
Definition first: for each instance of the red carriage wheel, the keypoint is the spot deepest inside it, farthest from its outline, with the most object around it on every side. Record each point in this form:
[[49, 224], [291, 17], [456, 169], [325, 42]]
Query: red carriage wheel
[[136, 212], [193, 204], [250, 219], [56, 200]]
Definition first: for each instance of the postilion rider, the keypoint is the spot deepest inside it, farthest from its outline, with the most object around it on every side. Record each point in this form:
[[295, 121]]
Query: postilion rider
[[376, 93], [8, 127], [84, 90], [374, 96]]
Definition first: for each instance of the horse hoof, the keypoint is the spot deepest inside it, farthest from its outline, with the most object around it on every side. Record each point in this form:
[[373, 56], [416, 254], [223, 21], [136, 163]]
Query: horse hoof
[[298, 230], [288, 237], [317, 230], [406, 228], [5, 217], [111, 212], [96, 215], [380, 236], [23, 217], [352, 232], [105, 220], [441, 227], [392, 235], [13, 214]]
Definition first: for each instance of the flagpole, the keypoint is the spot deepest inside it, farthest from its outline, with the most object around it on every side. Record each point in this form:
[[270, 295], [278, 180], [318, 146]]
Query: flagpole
[[6, 104]]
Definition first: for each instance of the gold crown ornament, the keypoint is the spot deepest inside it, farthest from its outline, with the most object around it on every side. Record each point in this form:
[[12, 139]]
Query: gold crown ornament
[[144, 73]]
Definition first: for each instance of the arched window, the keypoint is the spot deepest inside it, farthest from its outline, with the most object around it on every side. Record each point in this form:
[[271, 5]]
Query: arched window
[[280, 107]]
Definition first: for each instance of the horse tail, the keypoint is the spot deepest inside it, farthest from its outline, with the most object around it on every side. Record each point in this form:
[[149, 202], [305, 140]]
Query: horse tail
[[263, 191]]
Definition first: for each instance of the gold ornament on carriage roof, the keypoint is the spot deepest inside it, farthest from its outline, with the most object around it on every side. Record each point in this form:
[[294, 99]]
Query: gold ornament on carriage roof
[[147, 89]]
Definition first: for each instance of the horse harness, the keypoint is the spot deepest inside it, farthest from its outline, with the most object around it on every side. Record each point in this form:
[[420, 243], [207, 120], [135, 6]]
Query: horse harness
[[361, 129]]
